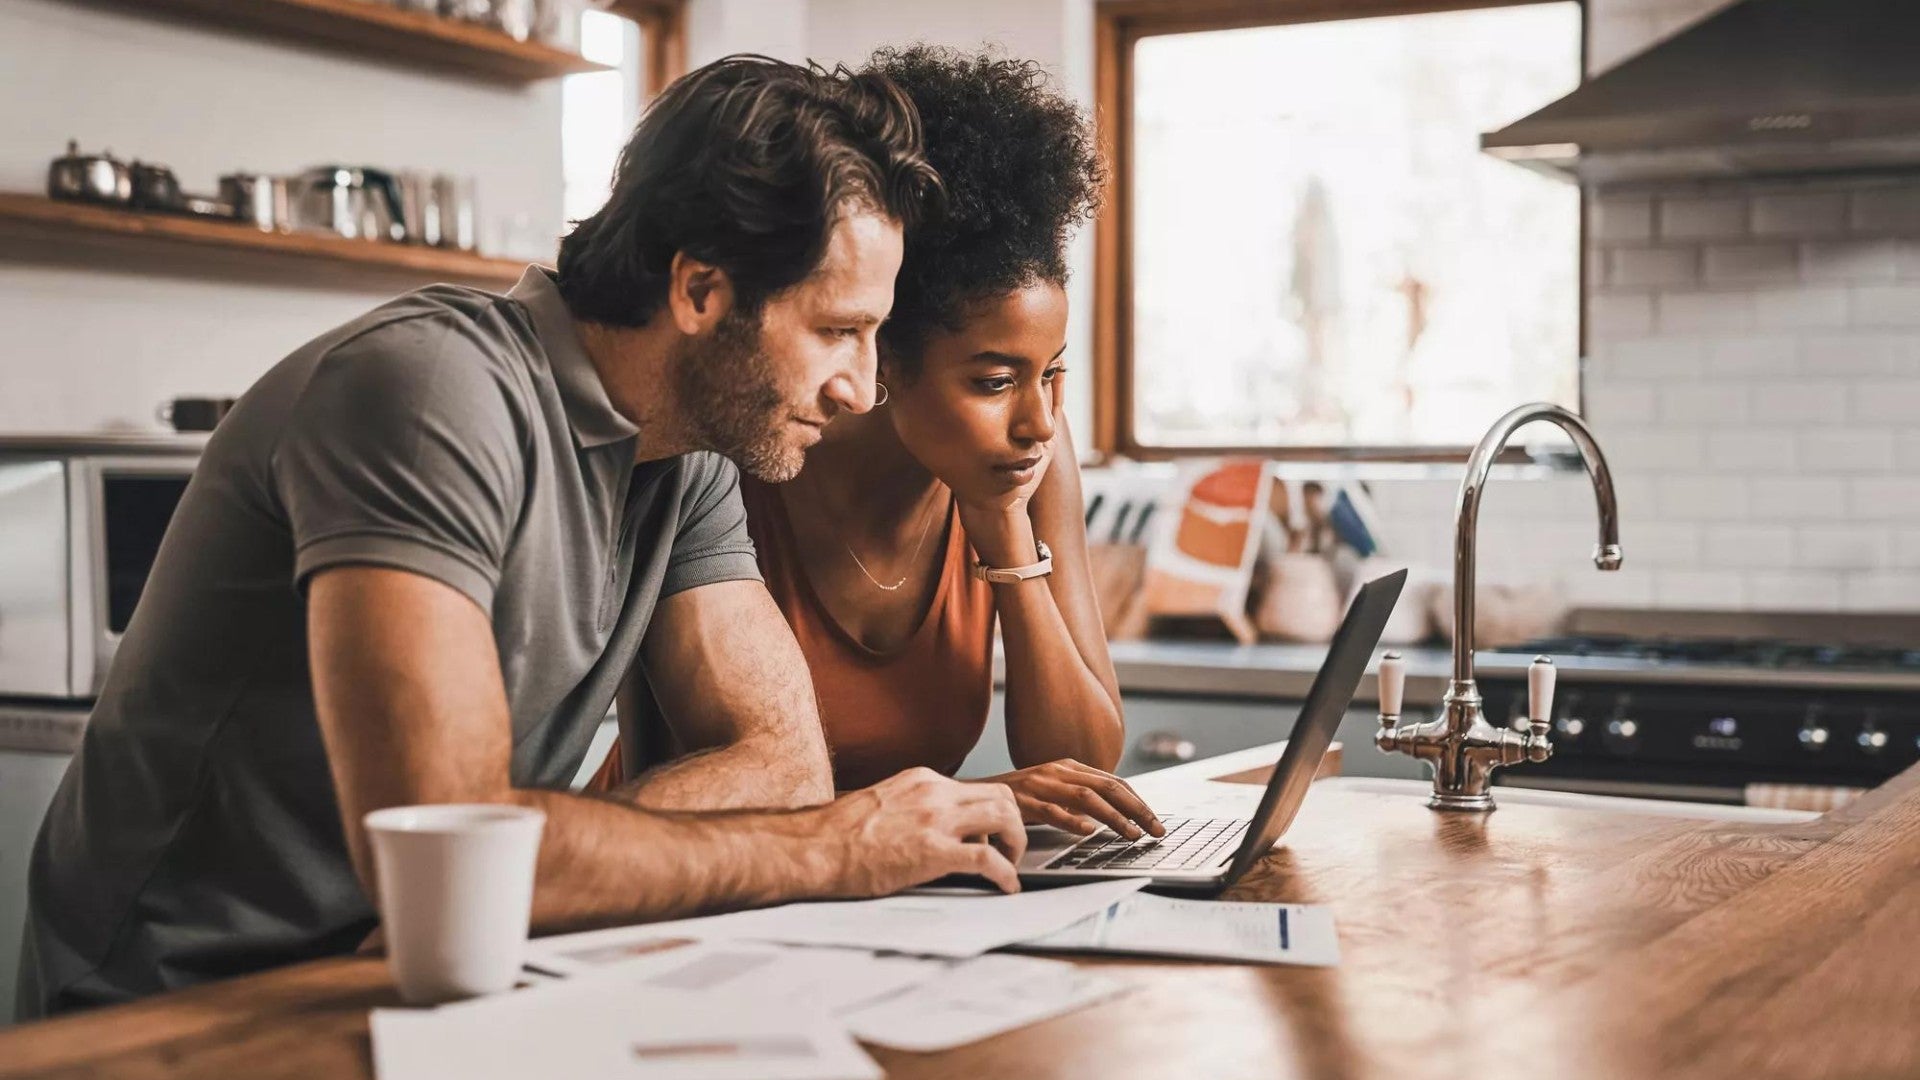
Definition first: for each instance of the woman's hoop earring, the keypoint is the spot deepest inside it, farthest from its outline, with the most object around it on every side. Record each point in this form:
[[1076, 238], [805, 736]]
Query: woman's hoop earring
[[882, 399]]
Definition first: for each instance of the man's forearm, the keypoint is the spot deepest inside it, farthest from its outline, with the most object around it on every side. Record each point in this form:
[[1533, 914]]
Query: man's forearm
[[754, 774], [604, 863]]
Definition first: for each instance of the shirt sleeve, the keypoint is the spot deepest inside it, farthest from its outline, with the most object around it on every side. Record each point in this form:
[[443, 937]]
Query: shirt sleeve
[[405, 451], [711, 544]]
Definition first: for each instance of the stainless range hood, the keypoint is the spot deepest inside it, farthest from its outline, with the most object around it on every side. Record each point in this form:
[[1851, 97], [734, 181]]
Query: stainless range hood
[[1761, 88]]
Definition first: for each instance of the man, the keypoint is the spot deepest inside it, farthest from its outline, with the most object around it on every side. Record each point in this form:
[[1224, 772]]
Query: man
[[418, 558]]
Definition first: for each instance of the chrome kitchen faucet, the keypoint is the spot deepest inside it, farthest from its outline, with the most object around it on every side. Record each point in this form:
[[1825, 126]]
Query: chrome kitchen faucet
[[1460, 745]]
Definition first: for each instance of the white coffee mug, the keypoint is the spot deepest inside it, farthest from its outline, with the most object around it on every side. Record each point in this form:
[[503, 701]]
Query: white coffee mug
[[456, 895]]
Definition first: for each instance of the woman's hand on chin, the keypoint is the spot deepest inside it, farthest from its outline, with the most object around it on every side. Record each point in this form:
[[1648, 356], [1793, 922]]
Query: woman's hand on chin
[[1078, 798], [996, 519]]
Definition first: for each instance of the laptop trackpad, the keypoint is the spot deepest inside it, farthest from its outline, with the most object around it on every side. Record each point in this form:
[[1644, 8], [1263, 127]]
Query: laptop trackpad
[[1045, 844]]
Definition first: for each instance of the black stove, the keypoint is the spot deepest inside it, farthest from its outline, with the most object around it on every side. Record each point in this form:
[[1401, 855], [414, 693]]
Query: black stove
[[1707, 717], [1734, 652]]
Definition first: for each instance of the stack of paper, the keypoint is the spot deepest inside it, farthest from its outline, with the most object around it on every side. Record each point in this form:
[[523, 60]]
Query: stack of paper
[[613, 1023], [781, 994], [1203, 930], [922, 924]]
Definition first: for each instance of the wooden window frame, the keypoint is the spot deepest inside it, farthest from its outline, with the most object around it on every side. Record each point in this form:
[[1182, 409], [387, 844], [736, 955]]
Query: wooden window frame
[[1118, 26], [663, 36]]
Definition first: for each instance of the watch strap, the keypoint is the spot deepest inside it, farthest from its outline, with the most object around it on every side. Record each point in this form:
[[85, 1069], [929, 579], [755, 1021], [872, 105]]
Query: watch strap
[[1013, 575]]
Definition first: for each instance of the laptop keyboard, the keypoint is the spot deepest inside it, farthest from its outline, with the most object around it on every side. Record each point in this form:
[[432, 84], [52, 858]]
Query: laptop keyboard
[[1189, 843]]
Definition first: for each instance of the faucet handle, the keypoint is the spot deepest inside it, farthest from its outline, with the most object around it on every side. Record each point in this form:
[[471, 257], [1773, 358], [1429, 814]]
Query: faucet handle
[[1393, 685], [1540, 679]]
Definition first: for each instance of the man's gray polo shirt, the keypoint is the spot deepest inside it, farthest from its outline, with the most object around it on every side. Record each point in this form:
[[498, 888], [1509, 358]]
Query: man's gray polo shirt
[[453, 433]]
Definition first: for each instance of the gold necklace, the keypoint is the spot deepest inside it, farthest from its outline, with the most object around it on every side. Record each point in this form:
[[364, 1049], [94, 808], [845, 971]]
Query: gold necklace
[[925, 527]]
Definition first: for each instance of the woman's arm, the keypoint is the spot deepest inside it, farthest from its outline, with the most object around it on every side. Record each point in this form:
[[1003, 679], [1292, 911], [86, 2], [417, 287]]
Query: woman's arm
[[1063, 700]]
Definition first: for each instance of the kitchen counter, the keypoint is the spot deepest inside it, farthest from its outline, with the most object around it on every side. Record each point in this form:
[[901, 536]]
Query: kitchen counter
[[1283, 672], [1534, 941]]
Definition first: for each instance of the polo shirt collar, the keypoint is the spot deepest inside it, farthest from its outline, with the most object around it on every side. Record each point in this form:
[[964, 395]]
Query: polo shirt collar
[[590, 412]]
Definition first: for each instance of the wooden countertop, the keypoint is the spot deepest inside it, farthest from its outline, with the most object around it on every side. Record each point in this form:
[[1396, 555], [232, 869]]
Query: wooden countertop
[[1532, 942]]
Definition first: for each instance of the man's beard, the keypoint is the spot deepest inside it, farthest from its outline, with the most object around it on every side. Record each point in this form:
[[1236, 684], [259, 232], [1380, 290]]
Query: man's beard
[[732, 403]]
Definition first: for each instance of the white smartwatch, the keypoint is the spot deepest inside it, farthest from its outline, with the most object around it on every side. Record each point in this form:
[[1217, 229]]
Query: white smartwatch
[[1013, 575]]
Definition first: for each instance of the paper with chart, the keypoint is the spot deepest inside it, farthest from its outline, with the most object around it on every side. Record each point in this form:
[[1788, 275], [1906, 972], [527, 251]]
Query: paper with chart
[[614, 1024], [831, 980], [979, 998], [955, 926], [1203, 930]]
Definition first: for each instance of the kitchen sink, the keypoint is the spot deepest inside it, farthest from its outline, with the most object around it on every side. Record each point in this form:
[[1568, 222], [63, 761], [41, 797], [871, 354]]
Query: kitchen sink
[[1515, 796]]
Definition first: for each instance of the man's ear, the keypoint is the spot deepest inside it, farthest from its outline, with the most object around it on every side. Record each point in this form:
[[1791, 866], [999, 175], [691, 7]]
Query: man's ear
[[699, 294]]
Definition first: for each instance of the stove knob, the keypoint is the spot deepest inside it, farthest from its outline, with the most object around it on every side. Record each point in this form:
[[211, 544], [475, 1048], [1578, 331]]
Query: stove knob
[[1813, 731], [1623, 731], [1571, 724], [1872, 740]]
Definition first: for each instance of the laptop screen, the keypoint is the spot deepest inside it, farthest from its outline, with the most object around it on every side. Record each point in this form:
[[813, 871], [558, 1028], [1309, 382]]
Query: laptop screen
[[1327, 700]]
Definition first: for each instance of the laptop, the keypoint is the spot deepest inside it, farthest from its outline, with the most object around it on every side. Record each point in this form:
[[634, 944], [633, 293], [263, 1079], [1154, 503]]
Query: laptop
[[1206, 855]]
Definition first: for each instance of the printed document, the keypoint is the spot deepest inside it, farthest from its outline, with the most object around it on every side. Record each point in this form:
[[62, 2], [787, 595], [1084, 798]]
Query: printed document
[[1203, 930]]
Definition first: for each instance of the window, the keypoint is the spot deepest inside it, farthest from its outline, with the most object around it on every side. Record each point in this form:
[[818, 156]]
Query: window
[[644, 42], [598, 110], [1314, 255]]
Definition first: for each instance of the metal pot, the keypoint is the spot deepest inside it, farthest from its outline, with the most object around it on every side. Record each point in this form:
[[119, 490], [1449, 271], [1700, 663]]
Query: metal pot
[[98, 178], [258, 199], [359, 204], [155, 187]]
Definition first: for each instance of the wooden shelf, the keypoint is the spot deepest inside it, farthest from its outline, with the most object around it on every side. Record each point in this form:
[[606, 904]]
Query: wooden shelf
[[373, 28], [315, 254]]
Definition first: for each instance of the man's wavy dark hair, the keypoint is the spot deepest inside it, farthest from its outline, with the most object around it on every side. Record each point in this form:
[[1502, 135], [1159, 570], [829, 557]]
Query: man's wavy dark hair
[[1020, 169], [745, 164]]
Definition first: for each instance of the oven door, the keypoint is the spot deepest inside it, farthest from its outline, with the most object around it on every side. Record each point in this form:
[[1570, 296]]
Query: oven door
[[127, 504]]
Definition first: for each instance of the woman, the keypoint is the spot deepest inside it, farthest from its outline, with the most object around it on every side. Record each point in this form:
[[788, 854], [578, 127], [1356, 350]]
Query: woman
[[963, 463]]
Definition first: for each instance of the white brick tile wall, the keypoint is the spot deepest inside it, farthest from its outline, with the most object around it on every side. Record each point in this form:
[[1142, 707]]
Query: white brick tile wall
[[1751, 547], [1657, 358], [1800, 214], [1743, 451], [1856, 354], [1693, 312], [1906, 259], [1906, 549], [1699, 589], [1620, 219], [1842, 547], [1640, 267], [1704, 404], [1727, 263], [1761, 354], [1882, 591], [1647, 450], [1800, 308], [1852, 260], [1893, 402], [1795, 499], [1702, 498], [1893, 498], [1844, 450], [1693, 218], [1665, 543], [1804, 402], [1887, 305], [1620, 403], [1800, 590], [1616, 315]]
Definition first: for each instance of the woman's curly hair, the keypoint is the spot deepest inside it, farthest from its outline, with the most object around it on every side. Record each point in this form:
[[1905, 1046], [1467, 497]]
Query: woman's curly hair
[[1021, 171]]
